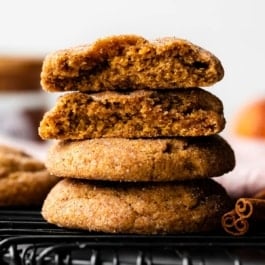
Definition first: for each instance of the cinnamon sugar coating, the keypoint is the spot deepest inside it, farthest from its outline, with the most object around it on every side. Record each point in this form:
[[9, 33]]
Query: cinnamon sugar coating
[[119, 159], [142, 208]]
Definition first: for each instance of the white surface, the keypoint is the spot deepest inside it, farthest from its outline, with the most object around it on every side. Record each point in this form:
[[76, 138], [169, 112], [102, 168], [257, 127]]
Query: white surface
[[233, 30], [248, 176]]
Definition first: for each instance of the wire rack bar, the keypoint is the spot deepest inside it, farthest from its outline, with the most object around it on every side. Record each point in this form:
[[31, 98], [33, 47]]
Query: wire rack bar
[[27, 239]]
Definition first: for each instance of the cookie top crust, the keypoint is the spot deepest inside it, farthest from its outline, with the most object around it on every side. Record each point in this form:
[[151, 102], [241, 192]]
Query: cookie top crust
[[142, 208], [13, 159], [130, 62], [120, 159]]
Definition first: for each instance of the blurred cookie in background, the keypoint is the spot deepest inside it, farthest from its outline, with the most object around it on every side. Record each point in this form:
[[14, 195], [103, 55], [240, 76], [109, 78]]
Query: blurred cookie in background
[[22, 101], [19, 73], [24, 180]]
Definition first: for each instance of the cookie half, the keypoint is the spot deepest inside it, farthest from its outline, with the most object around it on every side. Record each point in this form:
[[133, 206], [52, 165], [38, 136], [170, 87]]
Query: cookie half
[[120, 159], [142, 208], [130, 61], [137, 114], [24, 180]]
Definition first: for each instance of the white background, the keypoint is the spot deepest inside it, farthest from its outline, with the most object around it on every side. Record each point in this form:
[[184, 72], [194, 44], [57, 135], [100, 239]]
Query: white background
[[232, 29]]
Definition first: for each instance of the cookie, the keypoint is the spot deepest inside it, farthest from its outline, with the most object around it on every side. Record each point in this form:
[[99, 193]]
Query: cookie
[[136, 114], [130, 62], [142, 208], [24, 180], [120, 159], [20, 73]]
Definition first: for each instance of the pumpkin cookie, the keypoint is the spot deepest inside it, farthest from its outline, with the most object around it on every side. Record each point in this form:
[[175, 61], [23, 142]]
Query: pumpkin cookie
[[142, 208], [137, 114], [20, 73], [130, 62], [24, 180], [120, 159]]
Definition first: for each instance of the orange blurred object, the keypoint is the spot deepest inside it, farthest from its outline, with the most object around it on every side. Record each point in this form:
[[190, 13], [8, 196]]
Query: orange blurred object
[[250, 121]]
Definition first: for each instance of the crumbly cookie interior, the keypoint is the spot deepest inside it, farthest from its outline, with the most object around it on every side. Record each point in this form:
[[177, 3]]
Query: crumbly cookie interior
[[135, 114], [123, 62]]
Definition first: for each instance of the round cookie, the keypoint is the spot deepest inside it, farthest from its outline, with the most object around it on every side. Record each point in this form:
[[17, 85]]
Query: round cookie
[[162, 159], [20, 73], [142, 208], [130, 62], [24, 181], [134, 114]]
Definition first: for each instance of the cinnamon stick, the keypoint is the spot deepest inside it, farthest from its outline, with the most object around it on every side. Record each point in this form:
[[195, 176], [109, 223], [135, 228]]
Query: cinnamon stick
[[233, 224], [260, 194], [237, 221], [250, 208]]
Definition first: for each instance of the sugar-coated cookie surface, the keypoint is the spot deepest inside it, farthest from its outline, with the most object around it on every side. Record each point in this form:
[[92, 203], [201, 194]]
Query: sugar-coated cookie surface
[[142, 208], [120, 159], [135, 114], [130, 62], [24, 180]]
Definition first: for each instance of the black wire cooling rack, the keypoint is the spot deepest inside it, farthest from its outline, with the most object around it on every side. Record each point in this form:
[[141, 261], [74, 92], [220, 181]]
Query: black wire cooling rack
[[26, 239]]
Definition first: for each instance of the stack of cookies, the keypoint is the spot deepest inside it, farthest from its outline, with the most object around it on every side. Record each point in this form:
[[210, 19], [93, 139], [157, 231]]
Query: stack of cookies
[[136, 138]]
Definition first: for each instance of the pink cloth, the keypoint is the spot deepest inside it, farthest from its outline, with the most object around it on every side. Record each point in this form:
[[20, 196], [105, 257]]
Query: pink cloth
[[248, 177]]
